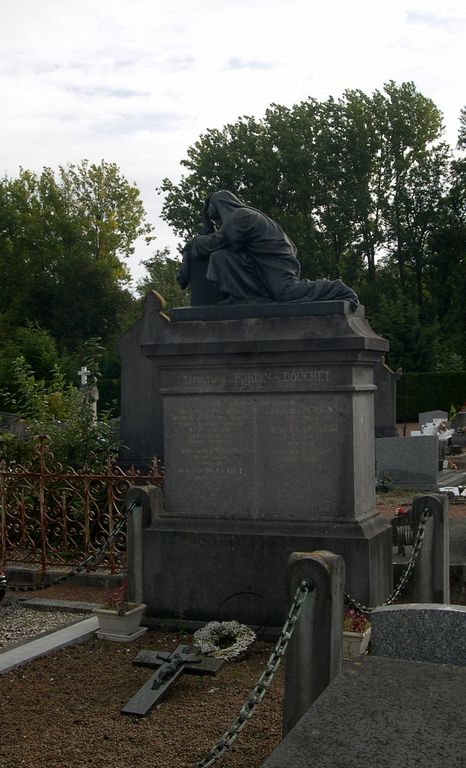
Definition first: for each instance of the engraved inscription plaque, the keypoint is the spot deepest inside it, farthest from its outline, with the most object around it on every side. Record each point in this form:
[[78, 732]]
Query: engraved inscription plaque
[[254, 456], [249, 379]]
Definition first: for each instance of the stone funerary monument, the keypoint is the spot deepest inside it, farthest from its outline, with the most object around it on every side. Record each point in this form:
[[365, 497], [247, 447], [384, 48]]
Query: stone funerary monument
[[263, 415]]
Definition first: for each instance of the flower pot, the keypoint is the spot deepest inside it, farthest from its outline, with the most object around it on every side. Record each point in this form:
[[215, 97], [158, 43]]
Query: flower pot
[[355, 643], [120, 627]]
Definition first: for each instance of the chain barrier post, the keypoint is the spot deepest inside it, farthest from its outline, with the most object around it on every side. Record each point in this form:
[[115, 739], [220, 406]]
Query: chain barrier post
[[401, 586], [148, 500], [315, 651], [431, 577], [304, 588]]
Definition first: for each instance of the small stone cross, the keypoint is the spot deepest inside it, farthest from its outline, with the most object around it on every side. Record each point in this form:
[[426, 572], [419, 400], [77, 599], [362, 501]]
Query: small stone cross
[[84, 373], [185, 658]]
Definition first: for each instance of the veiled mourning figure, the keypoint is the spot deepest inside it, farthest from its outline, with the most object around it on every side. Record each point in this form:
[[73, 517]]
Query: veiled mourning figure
[[251, 259]]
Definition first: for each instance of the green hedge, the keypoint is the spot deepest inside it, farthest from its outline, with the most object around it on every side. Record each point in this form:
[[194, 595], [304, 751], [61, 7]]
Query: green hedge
[[109, 395], [418, 392]]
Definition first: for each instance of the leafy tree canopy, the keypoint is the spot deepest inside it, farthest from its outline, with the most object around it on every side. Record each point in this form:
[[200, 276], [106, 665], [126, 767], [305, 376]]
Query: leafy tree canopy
[[63, 241], [368, 190]]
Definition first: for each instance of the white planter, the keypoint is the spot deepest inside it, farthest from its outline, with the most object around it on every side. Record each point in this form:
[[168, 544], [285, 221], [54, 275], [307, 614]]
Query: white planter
[[355, 643], [120, 627]]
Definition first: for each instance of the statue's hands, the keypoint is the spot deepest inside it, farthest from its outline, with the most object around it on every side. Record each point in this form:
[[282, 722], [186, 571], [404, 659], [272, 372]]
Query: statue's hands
[[183, 275], [208, 225], [182, 280]]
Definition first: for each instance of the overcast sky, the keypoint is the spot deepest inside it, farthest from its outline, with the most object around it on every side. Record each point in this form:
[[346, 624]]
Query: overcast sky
[[136, 82]]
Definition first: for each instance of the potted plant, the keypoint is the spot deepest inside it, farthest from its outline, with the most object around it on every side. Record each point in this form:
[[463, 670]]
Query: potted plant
[[119, 619], [356, 633]]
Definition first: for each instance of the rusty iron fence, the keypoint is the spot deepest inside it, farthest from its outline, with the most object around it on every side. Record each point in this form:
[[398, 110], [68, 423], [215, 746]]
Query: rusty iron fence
[[55, 516]]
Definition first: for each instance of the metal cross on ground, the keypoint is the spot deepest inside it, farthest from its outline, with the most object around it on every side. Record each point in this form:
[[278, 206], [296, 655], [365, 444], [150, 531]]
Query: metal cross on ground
[[169, 665]]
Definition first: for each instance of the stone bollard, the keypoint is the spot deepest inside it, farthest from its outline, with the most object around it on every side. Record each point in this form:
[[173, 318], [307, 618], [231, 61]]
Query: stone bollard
[[431, 577], [149, 499], [315, 651]]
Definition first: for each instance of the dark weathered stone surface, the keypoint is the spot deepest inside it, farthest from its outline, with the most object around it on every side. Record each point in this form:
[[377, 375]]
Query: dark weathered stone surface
[[385, 401], [207, 665], [458, 543], [270, 309], [427, 417], [459, 438], [459, 420], [250, 257], [141, 429], [279, 455], [147, 697], [269, 449], [235, 569], [141, 426], [409, 461], [420, 631], [385, 713], [314, 655], [185, 658], [203, 291], [431, 578]]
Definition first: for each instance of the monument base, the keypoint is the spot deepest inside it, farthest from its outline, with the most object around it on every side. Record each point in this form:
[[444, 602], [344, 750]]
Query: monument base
[[268, 444], [200, 570]]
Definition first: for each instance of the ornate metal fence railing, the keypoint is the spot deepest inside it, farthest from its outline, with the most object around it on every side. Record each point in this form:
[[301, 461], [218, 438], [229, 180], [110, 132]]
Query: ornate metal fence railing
[[55, 516]]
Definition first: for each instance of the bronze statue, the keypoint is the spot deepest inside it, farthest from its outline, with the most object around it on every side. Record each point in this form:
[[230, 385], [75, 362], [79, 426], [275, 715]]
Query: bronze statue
[[251, 259]]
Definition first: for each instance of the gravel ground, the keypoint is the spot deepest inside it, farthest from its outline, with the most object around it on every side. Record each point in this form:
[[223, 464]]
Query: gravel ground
[[63, 711], [18, 623], [66, 591]]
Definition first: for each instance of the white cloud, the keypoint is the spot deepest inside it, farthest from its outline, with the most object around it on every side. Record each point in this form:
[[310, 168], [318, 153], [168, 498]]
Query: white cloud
[[136, 82]]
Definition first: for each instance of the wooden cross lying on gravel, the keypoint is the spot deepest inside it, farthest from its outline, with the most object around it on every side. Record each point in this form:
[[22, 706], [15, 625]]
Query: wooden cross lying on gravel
[[169, 665]]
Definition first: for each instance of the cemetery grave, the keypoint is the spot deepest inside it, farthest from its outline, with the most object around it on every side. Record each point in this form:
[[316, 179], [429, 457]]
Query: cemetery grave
[[169, 666], [86, 706], [427, 455], [242, 404], [192, 713], [74, 718]]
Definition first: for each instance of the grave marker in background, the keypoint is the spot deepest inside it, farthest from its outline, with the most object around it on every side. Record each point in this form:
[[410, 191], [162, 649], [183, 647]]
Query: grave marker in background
[[421, 631]]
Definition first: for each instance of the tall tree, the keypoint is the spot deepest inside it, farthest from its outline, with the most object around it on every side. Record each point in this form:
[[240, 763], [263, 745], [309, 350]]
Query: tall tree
[[417, 166], [446, 269], [161, 272], [338, 175], [62, 247], [107, 211]]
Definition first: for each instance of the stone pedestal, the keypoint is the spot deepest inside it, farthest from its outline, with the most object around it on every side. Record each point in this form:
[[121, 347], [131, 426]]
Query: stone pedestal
[[268, 432]]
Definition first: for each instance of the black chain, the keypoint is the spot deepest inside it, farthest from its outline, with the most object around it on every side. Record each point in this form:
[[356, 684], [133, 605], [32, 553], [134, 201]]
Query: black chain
[[406, 576], [85, 565], [259, 691]]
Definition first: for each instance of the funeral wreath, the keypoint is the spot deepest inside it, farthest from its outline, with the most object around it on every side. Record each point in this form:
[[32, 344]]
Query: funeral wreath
[[228, 640]]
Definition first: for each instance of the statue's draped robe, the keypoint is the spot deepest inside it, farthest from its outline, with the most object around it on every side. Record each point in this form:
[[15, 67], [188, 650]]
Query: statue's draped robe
[[252, 259]]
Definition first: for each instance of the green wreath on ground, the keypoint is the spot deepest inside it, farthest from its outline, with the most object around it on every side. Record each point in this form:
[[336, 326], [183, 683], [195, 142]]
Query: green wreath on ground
[[227, 640]]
